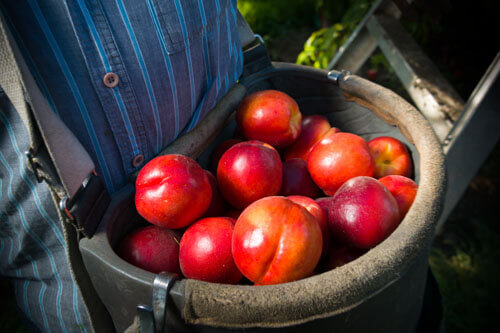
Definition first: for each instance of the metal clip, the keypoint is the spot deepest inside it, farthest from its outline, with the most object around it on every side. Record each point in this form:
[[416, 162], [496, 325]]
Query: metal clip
[[64, 204], [161, 286], [146, 318], [259, 37], [152, 319], [32, 165], [63, 207], [336, 76]]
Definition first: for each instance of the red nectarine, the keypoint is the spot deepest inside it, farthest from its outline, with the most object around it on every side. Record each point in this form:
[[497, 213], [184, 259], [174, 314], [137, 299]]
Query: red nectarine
[[314, 127], [338, 157], [363, 213], [297, 180], [403, 189], [276, 240], [248, 171], [321, 216], [391, 157], [205, 251], [152, 248], [340, 255], [172, 191], [270, 116], [217, 204], [221, 149]]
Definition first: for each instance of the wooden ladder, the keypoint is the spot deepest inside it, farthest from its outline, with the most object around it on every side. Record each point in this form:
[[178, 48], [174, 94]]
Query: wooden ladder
[[468, 131]]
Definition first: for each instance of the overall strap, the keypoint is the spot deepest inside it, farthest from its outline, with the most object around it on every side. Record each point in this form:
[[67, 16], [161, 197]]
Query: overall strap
[[57, 157], [25, 95]]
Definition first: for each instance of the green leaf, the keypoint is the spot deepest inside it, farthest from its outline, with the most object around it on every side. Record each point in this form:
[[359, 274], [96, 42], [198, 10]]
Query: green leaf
[[323, 43]]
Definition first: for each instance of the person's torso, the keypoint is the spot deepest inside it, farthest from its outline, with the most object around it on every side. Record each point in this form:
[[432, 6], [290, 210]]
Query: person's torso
[[128, 77]]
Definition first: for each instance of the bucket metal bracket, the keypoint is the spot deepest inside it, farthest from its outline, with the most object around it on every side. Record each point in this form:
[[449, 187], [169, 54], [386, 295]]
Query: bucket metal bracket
[[152, 319]]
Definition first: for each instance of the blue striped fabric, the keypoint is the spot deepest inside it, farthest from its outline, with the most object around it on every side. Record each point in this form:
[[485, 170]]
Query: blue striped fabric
[[35, 259], [174, 60]]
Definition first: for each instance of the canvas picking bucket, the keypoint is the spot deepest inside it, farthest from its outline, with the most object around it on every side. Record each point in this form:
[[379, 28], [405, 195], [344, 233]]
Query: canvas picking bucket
[[382, 291]]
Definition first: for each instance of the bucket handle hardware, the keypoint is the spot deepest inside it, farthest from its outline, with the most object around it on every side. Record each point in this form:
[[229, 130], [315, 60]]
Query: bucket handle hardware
[[152, 319], [259, 37], [146, 318], [337, 76]]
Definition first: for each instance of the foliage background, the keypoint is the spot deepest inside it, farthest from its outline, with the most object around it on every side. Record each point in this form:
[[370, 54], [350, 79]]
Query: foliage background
[[328, 23]]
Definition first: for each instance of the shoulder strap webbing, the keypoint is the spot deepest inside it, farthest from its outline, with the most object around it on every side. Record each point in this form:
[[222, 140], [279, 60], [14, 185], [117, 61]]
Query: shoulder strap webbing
[[24, 94], [18, 83]]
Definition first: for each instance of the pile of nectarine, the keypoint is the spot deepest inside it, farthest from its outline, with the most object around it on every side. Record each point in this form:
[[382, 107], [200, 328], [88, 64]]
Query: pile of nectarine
[[293, 196]]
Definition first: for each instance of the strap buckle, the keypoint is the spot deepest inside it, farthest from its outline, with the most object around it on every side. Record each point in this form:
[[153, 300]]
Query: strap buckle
[[66, 203], [63, 207], [88, 205]]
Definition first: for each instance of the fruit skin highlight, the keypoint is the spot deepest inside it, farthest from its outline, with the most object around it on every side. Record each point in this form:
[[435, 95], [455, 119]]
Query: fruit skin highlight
[[172, 191], [363, 213], [338, 157], [275, 241], [205, 251], [270, 116], [391, 157]]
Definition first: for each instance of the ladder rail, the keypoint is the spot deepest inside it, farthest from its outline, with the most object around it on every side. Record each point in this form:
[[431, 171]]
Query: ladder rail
[[467, 131], [472, 138], [432, 94]]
